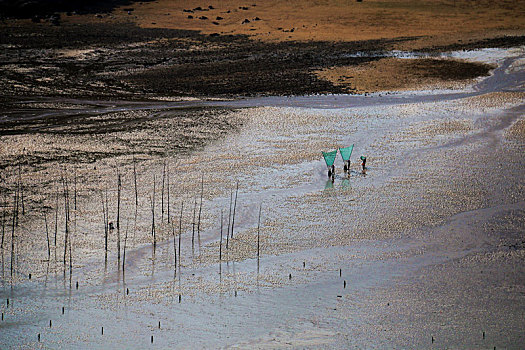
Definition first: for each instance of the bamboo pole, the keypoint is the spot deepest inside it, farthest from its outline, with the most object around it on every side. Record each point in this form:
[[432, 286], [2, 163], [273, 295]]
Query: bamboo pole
[[47, 235], [105, 226], [174, 250], [56, 222], [220, 247], [21, 192], [135, 181], [75, 195], [15, 206], [119, 185], [153, 233], [125, 245], [193, 224], [168, 184], [66, 214], [235, 206], [180, 229], [162, 193], [3, 220], [258, 235], [70, 261], [200, 208], [229, 218]]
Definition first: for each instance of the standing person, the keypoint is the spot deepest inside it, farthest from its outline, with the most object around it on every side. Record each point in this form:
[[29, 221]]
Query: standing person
[[363, 158], [333, 171]]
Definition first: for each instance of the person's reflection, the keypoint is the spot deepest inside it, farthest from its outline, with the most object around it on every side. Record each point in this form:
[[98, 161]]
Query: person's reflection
[[329, 184]]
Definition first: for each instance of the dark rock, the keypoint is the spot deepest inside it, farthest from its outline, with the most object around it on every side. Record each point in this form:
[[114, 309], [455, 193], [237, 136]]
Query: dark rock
[[219, 18], [256, 19], [211, 7], [190, 16], [216, 23], [246, 20], [203, 17]]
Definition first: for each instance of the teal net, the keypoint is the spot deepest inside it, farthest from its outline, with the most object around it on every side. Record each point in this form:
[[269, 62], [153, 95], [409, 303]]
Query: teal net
[[346, 152], [329, 157]]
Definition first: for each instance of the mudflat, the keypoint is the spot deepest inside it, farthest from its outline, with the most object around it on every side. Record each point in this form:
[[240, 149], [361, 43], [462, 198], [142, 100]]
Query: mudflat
[[162, 183], [154, 48]]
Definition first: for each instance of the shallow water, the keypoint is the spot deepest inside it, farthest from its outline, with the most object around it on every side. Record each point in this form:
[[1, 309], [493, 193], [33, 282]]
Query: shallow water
[[414, 209]]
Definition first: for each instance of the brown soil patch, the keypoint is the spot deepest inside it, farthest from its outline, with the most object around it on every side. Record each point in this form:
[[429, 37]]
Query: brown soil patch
[[338, 20], [392, 74], [203, 48]]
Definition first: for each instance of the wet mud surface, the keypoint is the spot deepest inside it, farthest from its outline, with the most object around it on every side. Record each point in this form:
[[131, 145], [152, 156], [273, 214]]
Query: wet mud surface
[[125, 61], [423, 249]]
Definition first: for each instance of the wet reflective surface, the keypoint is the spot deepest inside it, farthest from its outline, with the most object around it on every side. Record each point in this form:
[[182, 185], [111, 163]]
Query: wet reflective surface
[[426, 244]]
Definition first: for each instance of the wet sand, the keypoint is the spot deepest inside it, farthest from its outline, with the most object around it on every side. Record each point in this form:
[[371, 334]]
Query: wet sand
[[424, 250]]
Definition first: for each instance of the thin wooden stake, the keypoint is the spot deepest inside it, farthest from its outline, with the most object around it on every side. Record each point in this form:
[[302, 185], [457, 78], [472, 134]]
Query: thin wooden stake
[[200, 208], [105, 226], [66, 214], [15, 206], [119, 185], [258, 234], [229, 218], [3, 219], [168, 184], [47, 235], [21, 192], [125, 244], [220, 244], [174, 250], [75, 195], [153, 233], [162, 193], [180, 228], [135, 181], [70, 261], [56, 223], [235, 206], [193, 224]]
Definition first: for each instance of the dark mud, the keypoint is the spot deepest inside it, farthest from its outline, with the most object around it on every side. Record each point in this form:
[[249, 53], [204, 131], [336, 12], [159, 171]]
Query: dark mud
[[28, 9], [503, 42], [152, 132], [124, 61]]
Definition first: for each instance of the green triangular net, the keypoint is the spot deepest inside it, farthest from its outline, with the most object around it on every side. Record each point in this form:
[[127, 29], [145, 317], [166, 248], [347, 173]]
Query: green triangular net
[[346, 152], [329, 157]]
